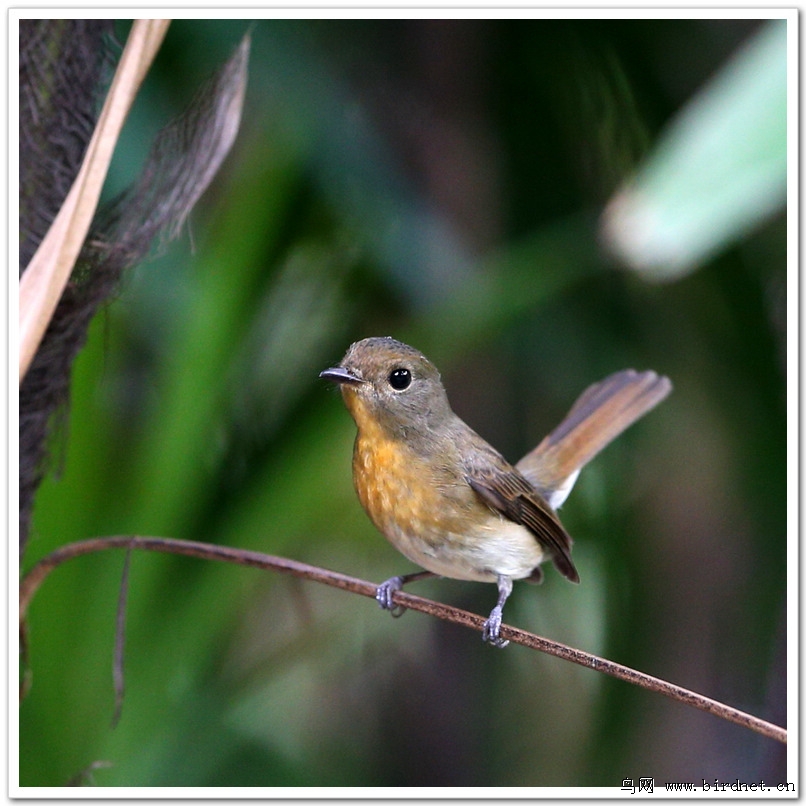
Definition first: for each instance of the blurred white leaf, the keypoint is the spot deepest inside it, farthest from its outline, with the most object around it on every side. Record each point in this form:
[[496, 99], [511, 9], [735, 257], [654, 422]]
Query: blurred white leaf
[[717, 172]]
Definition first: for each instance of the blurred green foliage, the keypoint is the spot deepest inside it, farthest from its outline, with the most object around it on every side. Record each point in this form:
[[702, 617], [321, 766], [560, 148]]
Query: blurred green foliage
[[438, 181], [704, 186]]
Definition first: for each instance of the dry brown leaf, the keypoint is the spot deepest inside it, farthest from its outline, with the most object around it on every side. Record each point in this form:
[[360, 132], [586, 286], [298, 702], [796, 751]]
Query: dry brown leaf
[[47, 274]]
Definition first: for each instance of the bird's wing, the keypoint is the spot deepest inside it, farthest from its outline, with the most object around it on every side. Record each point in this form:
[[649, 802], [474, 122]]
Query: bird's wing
[[505, 490]]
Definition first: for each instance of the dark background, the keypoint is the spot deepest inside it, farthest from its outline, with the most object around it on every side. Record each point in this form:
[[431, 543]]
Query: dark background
[[441, 182]]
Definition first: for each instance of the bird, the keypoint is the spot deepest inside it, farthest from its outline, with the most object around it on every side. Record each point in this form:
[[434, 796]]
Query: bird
[[444, 497]]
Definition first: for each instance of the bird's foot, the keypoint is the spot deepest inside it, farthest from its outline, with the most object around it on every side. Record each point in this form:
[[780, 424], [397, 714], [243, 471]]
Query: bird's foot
[[386, 591], [492, 629]]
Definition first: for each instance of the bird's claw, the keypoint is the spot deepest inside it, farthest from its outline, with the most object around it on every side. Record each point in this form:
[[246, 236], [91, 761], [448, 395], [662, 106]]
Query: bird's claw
[[492, 630], [385, 593]]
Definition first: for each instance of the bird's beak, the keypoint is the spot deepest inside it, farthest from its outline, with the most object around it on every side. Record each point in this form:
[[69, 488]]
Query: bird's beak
[[341, 375]]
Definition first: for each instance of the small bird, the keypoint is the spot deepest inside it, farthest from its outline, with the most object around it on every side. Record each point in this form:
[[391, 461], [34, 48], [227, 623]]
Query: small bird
[[449, 501]]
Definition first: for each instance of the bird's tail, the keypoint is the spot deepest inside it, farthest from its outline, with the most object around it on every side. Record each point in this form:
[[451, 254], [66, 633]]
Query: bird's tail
[[600, 414]]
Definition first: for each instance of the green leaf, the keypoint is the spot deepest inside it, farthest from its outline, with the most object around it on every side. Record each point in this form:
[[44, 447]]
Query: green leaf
[[718, 171]]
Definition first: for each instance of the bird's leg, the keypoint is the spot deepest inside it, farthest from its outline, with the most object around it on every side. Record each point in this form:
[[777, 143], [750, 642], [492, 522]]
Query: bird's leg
[[387, 589], [492, 627]]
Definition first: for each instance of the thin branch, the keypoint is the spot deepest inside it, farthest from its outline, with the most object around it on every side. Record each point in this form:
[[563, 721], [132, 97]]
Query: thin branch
[[120, 640], [207, 551]]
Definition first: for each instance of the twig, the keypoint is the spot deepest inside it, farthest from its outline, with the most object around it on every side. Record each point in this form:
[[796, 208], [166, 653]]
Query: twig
[[120, 641], [207, 551]]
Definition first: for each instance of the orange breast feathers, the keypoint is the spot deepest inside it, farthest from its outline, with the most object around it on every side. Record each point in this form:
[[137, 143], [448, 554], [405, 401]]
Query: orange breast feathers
[[394, 488], [400, 489]]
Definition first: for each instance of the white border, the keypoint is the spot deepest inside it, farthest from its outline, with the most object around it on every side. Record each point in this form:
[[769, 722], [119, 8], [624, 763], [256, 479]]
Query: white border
[[331, 10]]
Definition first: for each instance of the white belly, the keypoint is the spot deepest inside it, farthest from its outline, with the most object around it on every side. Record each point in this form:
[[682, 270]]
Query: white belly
[[500, 547]]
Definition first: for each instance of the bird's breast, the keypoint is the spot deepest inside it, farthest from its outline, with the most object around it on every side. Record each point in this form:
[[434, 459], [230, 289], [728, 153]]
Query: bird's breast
[[426, 509]]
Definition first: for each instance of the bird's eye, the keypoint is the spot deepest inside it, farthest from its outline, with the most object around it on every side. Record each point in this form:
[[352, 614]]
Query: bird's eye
[[400, 379]]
